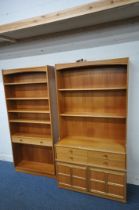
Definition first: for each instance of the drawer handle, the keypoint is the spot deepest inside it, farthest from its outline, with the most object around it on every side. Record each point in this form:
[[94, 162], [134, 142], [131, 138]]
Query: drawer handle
[[71, 158], [20, 140], [41, 142], [70, 151], [106, 156]]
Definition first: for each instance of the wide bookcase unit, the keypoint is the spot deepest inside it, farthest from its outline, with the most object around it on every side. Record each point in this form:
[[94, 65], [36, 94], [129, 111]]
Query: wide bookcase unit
[[29, 95], [91, 151]]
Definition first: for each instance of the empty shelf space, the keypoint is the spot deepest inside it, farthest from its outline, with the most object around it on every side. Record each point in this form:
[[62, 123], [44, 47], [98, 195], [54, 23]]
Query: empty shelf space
[[93, 144], [29, 111], [30, 121], [91, 89], [42, 98], [26, 83], [90, 114], [32, 166], [24, 139]]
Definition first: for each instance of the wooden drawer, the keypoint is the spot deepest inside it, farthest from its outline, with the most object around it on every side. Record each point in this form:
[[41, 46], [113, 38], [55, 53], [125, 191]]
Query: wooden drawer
[[71, 154], [29, 140], [107, 163], [105, 155]]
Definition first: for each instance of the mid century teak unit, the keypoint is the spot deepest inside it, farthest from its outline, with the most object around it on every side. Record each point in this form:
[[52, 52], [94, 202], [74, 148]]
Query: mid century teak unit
[[30, 97], [91, 151]]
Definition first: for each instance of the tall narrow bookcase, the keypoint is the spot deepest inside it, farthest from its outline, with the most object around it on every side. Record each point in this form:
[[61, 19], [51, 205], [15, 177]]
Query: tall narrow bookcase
[[30, 100], [91, 151]]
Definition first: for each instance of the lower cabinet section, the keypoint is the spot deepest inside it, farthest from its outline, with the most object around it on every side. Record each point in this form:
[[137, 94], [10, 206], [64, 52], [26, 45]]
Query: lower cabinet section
[[106, 183]]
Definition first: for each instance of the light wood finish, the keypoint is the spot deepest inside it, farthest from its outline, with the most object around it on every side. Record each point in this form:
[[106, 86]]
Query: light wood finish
[[30, 118], [91, 180], [39, 140], [94, 13], [92, 98]]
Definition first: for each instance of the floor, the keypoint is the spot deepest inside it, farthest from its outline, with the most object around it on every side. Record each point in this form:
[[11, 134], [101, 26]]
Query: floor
[[20, 191]]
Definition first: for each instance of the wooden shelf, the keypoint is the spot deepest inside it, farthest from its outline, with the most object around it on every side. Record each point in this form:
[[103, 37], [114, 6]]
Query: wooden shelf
[[29, 111], [38, 140], [29, 96], [30, 121], [95, 115], [93, 144], [32, 166], [26, 83], [42, 98], [90, 14], [91, 89]]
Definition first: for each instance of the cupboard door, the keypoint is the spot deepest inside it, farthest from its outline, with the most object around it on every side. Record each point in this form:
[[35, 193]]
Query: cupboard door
[[63, 174], [116, 184], [64, 180], [79, 178], [97, 181]]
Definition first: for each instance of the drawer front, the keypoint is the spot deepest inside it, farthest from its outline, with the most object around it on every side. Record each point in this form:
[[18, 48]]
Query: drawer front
[[107, 163], [71, 154], [26, 140], [105, 156]]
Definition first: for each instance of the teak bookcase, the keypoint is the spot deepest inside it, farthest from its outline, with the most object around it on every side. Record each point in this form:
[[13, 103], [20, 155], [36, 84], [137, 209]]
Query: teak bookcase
[[91, 151], [30, 96]]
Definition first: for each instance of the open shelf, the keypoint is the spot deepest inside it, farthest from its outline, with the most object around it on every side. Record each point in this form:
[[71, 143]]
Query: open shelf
[[36, 167], [91, 89], [86, 15], [29, 111], [30, 121], [37, 98], [26, 83], [34, 140], [96, 115], [93, 144], [30, 116]]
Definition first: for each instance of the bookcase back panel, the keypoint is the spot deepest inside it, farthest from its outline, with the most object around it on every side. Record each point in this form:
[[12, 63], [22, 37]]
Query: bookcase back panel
[[36, 153], [96, 128], [94, 101], [30, 116], [108, 76], [31, 129], [28, 105], [25, 77], [38, 90]]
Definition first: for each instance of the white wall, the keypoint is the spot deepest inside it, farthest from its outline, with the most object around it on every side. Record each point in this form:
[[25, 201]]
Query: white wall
[[104, 43]]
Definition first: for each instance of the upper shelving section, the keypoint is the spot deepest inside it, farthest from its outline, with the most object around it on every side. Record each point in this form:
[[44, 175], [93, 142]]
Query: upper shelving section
[[85, 15]]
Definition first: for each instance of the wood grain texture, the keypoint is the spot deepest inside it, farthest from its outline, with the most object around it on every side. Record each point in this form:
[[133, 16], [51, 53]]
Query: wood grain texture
[[86, 9], [92, 101], [29, 112]]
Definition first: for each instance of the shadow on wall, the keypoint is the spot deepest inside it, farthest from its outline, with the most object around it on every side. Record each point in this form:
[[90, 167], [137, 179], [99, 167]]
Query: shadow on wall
[[90, 37]]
